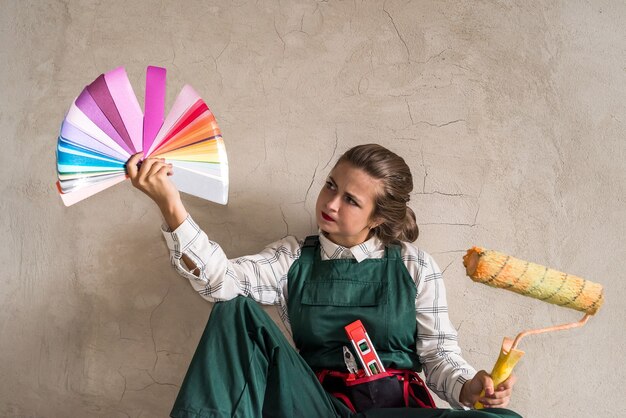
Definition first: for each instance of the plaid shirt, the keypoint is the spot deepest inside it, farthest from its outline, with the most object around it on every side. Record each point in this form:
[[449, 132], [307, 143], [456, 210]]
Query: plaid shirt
[[263, 277]]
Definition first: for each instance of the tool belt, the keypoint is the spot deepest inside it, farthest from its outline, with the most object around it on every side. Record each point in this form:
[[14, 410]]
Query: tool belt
[[390, 389]]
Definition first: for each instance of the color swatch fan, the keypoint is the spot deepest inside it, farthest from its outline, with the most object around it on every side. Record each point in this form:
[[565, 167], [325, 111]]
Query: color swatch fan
[[105, 126]]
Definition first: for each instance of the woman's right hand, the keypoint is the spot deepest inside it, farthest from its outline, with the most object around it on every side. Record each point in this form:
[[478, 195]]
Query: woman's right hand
[[151, 178]]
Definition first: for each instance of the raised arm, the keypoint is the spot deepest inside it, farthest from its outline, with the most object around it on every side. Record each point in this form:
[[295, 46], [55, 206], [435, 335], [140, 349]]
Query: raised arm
[[151, 178], [262, 276]]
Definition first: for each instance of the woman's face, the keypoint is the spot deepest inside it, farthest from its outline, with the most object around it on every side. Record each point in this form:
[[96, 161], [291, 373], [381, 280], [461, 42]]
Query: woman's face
[[345, 205]]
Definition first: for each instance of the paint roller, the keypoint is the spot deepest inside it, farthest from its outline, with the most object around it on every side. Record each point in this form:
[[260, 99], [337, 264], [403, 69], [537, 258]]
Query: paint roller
[[529, 279]]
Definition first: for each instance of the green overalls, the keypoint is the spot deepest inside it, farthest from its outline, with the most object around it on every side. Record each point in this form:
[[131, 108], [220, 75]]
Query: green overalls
[[325, 296], [244, 367]]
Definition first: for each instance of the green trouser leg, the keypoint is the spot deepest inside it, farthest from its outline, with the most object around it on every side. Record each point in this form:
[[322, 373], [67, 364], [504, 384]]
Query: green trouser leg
[[437, 413], [244, 367]]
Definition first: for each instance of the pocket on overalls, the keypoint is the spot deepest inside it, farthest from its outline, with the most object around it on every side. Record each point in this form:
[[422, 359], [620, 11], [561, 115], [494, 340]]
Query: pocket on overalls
[[342, 293]]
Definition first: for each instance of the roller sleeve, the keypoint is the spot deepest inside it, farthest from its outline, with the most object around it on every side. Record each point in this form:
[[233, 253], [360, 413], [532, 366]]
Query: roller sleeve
[[529, 279]]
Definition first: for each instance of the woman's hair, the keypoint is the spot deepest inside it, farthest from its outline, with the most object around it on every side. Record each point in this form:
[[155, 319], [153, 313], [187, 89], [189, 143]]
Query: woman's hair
[[398, 220]]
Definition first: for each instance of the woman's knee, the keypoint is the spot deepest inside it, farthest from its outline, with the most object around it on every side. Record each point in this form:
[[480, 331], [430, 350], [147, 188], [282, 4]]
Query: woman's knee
[[236, 304], [238, 311]]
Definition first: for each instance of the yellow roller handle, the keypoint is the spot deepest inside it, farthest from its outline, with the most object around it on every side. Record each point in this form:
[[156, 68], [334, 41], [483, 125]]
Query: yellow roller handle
[[503, 368]]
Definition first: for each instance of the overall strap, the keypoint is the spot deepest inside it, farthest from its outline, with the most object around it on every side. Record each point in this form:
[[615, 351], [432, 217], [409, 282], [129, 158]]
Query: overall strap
[[311, 243], [393, 252]]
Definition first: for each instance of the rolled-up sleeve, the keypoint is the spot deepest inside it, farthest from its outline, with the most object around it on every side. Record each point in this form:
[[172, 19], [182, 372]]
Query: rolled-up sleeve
[[262, 276]]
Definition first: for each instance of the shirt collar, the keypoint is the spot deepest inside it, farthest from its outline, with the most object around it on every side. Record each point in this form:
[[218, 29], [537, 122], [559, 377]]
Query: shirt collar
[[360, 252]]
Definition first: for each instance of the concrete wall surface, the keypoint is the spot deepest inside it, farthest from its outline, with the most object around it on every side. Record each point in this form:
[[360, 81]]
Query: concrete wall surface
[[511, 115]]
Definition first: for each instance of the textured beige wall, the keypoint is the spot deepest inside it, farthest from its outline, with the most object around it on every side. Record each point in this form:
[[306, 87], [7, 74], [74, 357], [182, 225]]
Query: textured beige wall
[[511, 115]]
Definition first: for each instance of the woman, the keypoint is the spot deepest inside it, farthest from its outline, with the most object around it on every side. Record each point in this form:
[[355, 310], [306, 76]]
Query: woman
[[361, 266]]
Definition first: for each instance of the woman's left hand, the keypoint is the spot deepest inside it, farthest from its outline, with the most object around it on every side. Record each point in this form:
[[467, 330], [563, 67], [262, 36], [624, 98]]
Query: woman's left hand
[[493, 398]]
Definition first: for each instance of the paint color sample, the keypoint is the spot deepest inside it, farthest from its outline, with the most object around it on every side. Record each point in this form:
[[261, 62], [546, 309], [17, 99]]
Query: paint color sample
[[105, 126]]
